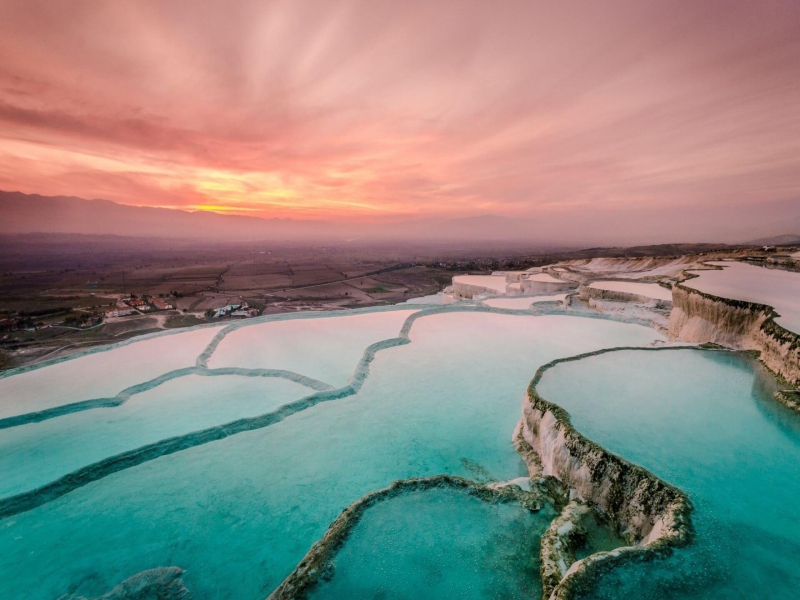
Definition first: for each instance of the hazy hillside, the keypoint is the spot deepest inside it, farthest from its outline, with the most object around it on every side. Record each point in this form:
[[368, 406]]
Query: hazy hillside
[[23, 213], [32, 213], [787, 239]]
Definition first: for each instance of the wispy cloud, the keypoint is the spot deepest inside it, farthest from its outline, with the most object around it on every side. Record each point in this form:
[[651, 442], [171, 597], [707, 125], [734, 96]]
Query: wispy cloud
[[369, 110]]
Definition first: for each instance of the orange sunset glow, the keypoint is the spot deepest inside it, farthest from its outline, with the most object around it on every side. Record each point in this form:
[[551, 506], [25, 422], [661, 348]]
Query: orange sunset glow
[[381, 111], [399, 299]]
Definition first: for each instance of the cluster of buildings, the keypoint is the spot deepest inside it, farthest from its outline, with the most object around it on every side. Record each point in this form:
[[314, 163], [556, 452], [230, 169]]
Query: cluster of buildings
[[16, 324], [236, 311], [132, 305]]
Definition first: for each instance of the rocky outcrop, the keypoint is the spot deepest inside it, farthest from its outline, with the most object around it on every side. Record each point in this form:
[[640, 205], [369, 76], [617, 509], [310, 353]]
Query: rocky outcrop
[[564, 536], [643, 268], [162, 583], [789, 398], [650, 514], [533, 286], [700, 317]]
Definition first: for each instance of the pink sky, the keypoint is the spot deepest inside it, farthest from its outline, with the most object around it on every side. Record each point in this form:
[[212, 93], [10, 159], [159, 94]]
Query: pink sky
[[384, 110]]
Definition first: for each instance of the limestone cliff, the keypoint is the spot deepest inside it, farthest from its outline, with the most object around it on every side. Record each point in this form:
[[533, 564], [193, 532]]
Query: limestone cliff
[[651, 514], [700, 317]]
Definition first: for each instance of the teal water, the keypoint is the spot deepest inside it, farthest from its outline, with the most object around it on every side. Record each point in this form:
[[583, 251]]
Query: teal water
[[440, 544], [34, 454], [327, 348], [741, 281], [239, 513], [707, 423], [101, 374]]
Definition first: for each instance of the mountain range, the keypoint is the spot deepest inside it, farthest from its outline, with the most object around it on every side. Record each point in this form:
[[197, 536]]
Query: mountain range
[[31, 213]]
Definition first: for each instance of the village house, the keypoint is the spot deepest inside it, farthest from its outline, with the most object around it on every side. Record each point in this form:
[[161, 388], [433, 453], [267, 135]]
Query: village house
[[160, 304], [119, 312]]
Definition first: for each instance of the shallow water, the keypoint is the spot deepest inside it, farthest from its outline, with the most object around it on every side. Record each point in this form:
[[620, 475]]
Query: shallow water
[[649, 290], [522, 303], [774, 287], [439, 298], [707, 423], [544, 278], [326, 348], [239, 513], [440, 544], [35, 454], [101, 374]]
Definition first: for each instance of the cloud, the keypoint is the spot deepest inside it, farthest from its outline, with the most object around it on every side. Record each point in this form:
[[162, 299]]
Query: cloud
[[363, 110]]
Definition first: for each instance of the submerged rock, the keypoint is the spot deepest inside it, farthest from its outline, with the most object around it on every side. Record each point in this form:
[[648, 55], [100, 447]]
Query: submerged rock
[[162, 583]]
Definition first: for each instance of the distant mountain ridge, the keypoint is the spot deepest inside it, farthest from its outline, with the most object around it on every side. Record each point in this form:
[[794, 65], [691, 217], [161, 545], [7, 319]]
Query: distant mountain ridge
[[787, 239], [32, 213], [29, 213], [579, 227]]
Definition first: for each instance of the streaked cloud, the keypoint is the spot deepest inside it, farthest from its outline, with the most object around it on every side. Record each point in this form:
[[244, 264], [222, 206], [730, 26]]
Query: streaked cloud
[[383, 110]]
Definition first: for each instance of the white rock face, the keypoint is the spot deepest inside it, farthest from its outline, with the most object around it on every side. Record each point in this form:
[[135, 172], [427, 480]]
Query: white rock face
[[522, 302], [570, 460], [101, 374], [510, 275], [741, 281], [543, 283], [647, 510], [509, 283], [643, 292], [467, 286], [701, 318], [650, 268]]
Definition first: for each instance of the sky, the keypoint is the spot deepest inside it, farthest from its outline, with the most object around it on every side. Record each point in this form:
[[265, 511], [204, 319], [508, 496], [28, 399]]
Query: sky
[[382, 110]]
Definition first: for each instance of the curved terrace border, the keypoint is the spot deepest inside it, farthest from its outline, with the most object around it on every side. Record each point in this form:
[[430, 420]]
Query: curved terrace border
[[654, 515], [226, 328], [29, 500], [677, 508], [317, 563], [139, 388], [205, 355], [586, 292], [754, 327], [76, 479]]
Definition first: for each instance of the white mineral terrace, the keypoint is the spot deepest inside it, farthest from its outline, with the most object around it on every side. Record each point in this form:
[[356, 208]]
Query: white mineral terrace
[[495, 283], [522, 303], [623, 268], [103, 373], [740, 281], [649, 290], [544, 277]]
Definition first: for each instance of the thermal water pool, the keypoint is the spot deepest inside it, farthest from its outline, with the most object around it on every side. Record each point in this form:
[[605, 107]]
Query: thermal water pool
[[522, 303], [325, 346], [648, 290], [240, 512], [101, 374], [440, 544], [706, 422], [34, 454], [777, 288]]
